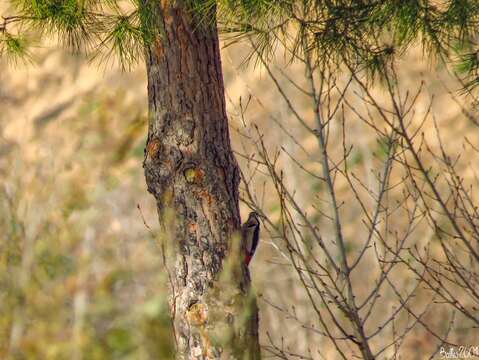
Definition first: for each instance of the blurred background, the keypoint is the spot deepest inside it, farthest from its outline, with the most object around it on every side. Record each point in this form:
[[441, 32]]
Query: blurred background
[[81, 275]]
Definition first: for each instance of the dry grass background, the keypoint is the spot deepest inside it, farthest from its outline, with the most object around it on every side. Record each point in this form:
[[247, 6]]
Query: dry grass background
[[80, 272]]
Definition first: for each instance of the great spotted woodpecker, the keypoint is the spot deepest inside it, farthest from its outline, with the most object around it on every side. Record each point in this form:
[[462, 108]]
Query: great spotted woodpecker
[[250, 236]]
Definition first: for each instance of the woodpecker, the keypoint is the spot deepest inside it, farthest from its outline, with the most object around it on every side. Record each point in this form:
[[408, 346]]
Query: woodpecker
[[250, 236]]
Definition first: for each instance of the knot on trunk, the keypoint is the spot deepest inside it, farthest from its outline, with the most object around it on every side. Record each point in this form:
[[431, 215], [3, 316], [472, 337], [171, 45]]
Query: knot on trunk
[[197, 314], [194, 175]]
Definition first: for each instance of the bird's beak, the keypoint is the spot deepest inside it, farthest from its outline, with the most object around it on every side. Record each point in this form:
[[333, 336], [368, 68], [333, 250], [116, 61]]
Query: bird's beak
[[262, 217]]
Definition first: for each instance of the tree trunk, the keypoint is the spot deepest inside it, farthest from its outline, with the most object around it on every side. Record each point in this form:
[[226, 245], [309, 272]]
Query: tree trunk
[[192, 172]]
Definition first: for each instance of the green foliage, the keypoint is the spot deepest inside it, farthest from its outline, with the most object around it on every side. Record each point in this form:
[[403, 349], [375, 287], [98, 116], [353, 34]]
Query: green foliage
[[71, 21], [107, 29], [14, 48], [361, 34], [367, 35], [467, 64], [356, 158], [124, 39], [383, 148]]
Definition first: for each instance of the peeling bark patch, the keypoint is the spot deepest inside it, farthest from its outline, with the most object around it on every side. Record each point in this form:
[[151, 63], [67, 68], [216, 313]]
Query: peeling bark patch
[[192, 234], [202, 348], [153, 148], [192, 228], [182, 269], [184, 131], [207, 197], [176, 156], [197, 314], [207, 259]]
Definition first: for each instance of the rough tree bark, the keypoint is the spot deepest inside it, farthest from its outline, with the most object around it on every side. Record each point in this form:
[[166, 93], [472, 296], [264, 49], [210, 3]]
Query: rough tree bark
[[192, 172]]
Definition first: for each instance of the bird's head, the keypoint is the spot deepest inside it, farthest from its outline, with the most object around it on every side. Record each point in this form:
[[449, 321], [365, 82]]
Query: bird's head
[[253, 218]]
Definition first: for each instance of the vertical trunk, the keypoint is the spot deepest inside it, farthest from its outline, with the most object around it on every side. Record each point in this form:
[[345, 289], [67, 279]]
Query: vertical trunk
[[191, 170]]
